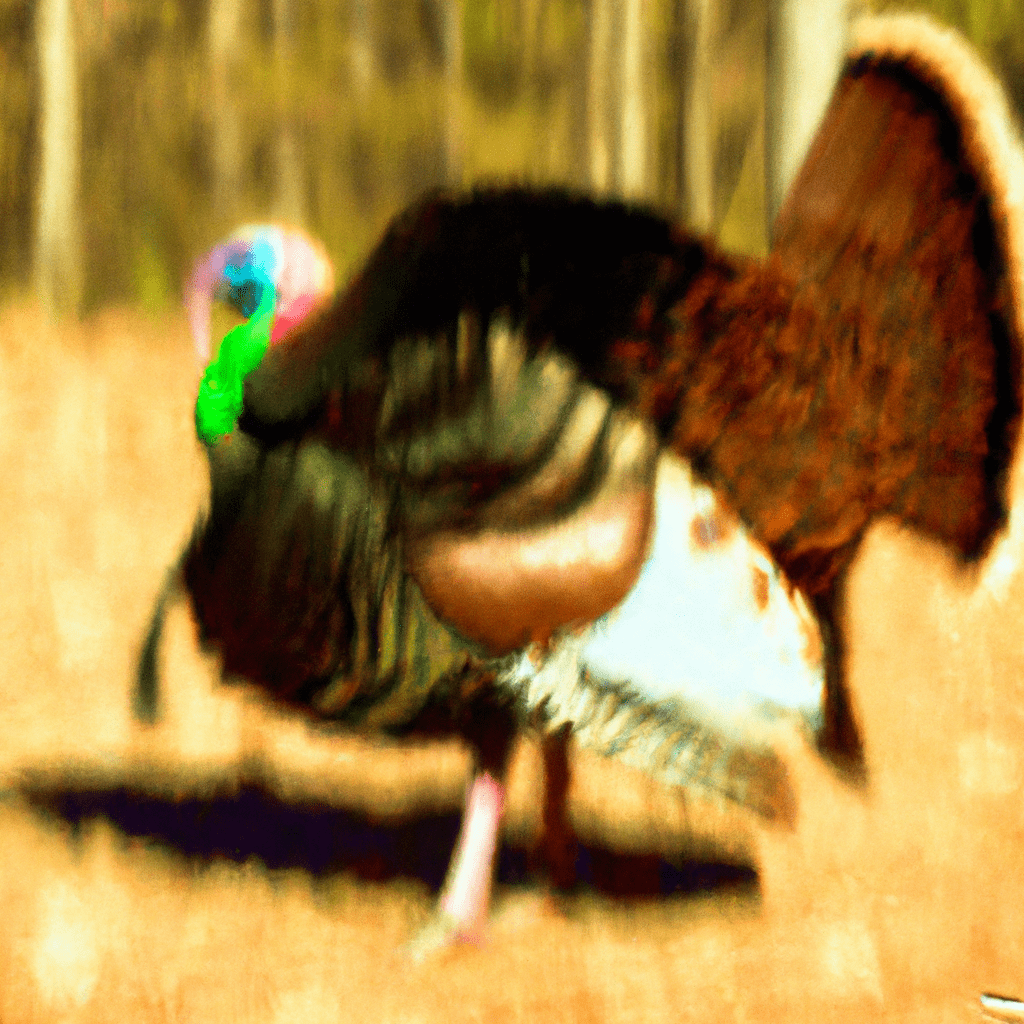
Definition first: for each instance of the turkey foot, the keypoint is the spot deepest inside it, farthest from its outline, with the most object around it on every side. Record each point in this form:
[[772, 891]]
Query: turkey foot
[[462, 909]]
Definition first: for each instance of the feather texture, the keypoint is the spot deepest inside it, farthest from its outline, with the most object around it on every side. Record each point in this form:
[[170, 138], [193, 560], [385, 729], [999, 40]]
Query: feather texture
[[443, 488]]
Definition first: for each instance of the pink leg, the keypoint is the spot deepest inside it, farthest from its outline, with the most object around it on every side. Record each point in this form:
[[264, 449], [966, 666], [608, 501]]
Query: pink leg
[[467, 890], [465, 898]]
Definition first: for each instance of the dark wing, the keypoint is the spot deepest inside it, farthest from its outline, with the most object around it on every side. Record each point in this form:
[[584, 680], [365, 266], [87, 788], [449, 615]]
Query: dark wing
[[296, 578], [464, 365], [428, 398], [561, 267]]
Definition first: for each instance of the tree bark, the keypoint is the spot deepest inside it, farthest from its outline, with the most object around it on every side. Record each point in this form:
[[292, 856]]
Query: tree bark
[[222, 48], [599, 99], [289, 180], [806, 47], [633, 102], [696, 178], [57, 263], [361, 49], [451, 35]]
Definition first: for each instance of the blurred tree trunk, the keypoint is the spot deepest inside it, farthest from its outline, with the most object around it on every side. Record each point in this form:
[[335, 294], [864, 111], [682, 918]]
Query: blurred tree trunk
[[361, 48], [806, 46], [452, 56], [289, 179], [634, 101], [695, 182], [599, 97], [225, 118], [578, 171], [57, 258], [531, 16]]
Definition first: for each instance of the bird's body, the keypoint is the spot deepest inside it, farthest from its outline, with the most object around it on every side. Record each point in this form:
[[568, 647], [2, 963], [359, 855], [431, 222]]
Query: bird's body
[[443, 486]]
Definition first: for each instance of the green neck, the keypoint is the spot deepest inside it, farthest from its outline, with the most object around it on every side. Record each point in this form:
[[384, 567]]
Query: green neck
[[219, 403]]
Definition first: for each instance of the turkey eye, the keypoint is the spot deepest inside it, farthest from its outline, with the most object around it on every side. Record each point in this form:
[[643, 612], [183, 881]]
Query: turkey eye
[[244, 289], [245, 297]]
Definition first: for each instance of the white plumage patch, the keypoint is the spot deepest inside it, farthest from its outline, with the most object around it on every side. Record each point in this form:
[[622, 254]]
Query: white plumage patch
[[711, 619], [707, 652]]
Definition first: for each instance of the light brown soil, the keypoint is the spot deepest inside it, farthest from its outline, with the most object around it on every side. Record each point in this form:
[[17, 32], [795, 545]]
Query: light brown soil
[[900, 901]]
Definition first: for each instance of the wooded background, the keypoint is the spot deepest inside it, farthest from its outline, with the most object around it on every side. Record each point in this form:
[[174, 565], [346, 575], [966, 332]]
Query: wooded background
[[134, 133]]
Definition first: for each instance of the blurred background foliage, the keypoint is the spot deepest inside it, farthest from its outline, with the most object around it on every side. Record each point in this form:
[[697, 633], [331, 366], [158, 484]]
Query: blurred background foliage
[[196, 115]]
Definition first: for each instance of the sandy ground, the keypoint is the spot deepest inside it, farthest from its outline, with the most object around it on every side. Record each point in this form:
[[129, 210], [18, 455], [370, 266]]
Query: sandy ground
[[233, 864]]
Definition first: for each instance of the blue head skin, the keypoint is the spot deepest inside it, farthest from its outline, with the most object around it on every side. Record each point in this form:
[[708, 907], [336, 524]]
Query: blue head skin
[[245, 277], [219, 402]]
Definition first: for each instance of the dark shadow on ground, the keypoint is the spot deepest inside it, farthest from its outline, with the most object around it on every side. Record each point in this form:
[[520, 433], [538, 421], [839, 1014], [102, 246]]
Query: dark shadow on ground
[[251, 821]]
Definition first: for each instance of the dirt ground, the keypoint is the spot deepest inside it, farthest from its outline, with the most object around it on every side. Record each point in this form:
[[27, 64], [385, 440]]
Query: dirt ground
[[233, 864]]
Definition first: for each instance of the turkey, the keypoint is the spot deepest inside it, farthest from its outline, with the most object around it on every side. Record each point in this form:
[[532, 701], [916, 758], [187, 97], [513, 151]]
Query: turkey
[[553, 460]]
